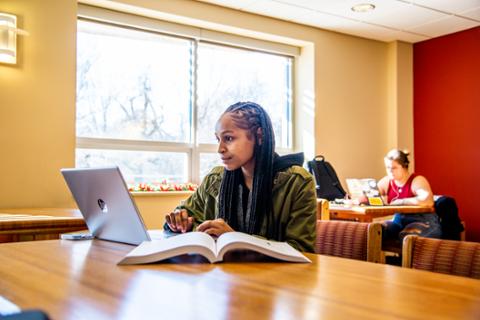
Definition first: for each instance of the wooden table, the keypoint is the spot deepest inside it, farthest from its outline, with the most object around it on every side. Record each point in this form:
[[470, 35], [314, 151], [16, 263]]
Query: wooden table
[[38, 223], [80, 280], [368, 213]]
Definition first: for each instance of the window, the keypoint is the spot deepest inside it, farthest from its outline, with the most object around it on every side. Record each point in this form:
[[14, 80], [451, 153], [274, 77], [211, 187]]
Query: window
[[148, 102]]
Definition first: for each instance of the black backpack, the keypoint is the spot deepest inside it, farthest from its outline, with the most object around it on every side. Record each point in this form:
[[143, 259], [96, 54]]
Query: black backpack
[[328, 185], [447, 210]]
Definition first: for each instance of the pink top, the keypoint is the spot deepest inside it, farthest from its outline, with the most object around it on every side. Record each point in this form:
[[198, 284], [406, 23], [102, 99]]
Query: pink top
[[395, 192]]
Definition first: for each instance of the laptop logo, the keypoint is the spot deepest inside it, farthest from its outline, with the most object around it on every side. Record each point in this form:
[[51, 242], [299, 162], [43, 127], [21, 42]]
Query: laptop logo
[[102, 205]]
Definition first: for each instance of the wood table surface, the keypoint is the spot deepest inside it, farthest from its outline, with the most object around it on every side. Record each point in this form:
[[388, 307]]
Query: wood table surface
[[80, 280]]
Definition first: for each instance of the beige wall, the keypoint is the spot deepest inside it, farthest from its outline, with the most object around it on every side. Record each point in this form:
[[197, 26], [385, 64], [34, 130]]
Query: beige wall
[[344, 99], [37, 105], [351, 104]]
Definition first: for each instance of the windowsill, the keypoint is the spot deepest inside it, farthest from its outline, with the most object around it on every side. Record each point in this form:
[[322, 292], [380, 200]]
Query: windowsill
[[160, 193]]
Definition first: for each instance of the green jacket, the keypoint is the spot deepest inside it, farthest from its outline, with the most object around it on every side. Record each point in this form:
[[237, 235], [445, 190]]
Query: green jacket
[[294, 205]]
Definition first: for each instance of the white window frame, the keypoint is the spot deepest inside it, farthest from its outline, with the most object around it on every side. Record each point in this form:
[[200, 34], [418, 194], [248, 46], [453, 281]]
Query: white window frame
[[197, 35]]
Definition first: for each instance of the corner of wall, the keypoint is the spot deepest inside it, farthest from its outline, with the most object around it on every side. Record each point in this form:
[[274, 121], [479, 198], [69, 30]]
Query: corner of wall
[[400, 96]]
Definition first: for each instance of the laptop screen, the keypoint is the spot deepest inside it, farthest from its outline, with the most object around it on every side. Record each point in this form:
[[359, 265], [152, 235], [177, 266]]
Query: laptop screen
[[364, 191]]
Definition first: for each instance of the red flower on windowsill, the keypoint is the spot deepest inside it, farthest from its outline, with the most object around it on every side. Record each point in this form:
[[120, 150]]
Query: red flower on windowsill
[[161, 187]]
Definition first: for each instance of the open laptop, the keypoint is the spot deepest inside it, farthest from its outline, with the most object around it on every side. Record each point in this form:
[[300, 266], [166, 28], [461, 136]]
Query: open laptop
[[106, 205], [364, 191]]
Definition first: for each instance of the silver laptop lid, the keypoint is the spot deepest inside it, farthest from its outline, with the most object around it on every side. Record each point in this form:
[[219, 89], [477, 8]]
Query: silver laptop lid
[[106, 205]]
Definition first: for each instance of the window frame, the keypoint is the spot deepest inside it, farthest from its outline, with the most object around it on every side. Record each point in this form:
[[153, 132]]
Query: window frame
[[196, 35]]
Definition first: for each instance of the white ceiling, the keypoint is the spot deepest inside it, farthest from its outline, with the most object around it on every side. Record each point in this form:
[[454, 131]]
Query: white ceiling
[[409, 21]]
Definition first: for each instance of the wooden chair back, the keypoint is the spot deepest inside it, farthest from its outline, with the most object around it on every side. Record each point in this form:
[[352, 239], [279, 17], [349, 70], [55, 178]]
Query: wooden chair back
[[323, 209], [348, 239], [461, 258]]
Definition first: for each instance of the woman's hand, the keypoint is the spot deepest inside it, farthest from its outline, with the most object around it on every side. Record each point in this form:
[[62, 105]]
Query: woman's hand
[[214, 227], [179, 221]]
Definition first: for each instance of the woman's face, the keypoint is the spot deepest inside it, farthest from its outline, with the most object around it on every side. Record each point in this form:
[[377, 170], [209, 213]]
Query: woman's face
[[394, 170], [235, 147]]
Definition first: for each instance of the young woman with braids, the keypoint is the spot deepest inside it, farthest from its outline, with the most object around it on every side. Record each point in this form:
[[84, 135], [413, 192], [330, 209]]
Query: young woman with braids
[[401, 187], [256, 191]]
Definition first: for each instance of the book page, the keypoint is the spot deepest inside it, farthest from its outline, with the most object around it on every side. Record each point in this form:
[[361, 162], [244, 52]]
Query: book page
[[186, 243], [237, 240]]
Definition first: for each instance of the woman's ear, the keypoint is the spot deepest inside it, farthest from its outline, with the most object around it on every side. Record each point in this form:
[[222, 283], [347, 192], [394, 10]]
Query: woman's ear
[[260, 136]]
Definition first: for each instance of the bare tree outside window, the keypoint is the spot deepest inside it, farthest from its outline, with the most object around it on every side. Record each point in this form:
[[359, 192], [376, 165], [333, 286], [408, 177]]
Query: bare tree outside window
[[132, 84], [138, 166], [228, 75]]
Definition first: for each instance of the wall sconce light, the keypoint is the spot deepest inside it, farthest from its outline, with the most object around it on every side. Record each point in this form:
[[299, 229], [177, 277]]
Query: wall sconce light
[[8, 38]]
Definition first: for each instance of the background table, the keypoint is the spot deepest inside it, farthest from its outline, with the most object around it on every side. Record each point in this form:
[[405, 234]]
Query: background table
[[38, 223], [80, 280], [326, 211]]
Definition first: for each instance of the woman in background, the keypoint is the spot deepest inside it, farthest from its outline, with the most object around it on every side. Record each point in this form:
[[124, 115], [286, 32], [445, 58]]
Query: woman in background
[[400, 187], [256, 191]]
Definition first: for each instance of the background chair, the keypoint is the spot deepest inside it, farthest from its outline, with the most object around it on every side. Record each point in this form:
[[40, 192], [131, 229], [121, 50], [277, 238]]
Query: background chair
[[461, 258], [323, 212], [346, 239]]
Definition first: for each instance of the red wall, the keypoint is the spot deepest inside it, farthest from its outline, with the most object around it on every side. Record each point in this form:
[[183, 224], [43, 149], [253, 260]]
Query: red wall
[[447, 120]]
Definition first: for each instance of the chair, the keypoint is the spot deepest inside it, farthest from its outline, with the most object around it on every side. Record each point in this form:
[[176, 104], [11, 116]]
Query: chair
[[461, 258], [347, 239], [323, 212]]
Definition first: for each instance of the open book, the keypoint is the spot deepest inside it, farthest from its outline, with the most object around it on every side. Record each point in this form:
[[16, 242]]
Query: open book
[[364, 191], [203, 244]]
